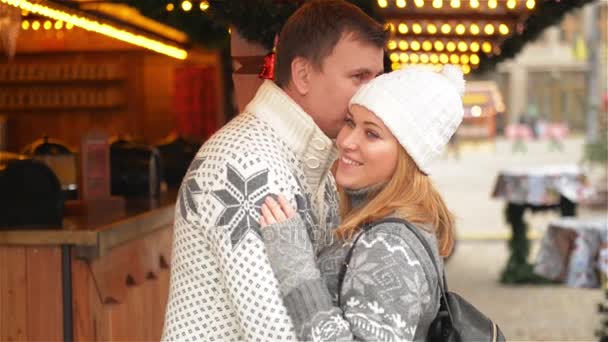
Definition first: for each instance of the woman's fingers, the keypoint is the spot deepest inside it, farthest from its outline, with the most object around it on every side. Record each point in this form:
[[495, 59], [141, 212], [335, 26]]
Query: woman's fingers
[[287, 209], [275, 208], [263, 222], [267, 215], [273, 211]]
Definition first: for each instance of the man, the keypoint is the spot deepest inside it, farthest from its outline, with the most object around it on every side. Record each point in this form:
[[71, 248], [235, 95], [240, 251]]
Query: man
[[222, 285]]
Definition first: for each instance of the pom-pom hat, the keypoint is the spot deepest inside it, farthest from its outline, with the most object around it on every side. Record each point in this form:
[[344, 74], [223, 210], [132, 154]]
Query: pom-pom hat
[[422, 108]]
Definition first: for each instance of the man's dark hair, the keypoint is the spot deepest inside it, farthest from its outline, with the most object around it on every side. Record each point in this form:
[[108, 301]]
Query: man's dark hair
[[314, 29]]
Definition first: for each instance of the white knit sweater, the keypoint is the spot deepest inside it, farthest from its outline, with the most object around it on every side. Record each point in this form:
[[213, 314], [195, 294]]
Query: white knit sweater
[[222, 285]]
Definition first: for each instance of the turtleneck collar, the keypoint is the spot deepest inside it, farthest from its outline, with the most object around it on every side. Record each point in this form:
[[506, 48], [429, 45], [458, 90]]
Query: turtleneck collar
[[358, 197], [316, 151]]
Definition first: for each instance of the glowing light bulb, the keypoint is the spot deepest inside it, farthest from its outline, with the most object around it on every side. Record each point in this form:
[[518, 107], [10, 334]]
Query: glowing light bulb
[[474, 29], [530, 4], [474, 59], [427, 45], [503, 29], [460, 29], [446, 28], [186, 5], [417, 28], [462, 46], [415, 45], [474, 46], [489, 29]]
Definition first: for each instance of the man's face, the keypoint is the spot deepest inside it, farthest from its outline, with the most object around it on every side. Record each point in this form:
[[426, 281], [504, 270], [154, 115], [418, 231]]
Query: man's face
[[351, 64]]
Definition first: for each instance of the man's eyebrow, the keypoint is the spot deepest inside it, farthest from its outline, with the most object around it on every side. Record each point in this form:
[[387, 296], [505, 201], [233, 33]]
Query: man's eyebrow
[[362, 71]]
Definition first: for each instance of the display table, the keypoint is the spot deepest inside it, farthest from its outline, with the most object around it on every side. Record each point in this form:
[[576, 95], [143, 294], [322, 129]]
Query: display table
[[558, 187], [573, 250], [98, 279]]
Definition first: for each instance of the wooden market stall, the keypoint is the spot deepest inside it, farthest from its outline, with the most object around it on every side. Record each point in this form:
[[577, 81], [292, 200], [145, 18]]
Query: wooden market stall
[[483, 105], [101, 271]]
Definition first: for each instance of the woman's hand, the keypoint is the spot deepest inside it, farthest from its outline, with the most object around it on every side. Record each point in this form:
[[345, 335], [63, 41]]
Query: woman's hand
[[273, 212]]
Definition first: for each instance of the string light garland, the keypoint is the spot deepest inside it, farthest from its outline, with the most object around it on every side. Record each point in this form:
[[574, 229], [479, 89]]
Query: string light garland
[[94, 25]]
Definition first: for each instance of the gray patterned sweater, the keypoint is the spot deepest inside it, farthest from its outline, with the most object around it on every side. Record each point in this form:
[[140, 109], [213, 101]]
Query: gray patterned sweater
[[389, 291], [222, 285]]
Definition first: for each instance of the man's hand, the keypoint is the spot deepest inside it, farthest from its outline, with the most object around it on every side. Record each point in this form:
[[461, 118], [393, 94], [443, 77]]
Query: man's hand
[[273, 212]]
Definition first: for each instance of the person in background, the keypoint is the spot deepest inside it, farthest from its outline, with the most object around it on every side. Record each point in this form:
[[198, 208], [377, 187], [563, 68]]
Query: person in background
[[222, 286], [397, 126]]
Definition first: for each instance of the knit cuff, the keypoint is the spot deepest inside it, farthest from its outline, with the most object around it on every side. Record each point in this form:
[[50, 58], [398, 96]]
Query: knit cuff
[[290, 253], [308, 299]]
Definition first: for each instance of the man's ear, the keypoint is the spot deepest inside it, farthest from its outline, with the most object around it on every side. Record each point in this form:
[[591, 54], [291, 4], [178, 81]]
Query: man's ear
[[300, 75]]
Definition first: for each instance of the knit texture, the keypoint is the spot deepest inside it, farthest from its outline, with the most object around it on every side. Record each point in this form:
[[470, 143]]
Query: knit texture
[[421, 107], [222, 286], [389, 292]]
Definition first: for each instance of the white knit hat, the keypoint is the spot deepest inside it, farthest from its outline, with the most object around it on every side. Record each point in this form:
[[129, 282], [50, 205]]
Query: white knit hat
[[421, 107]]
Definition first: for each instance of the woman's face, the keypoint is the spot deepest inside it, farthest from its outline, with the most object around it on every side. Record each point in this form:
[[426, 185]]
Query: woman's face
[[368, 151]]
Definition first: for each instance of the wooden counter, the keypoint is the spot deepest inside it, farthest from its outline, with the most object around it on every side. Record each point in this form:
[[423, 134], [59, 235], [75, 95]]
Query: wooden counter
[[97, 279]]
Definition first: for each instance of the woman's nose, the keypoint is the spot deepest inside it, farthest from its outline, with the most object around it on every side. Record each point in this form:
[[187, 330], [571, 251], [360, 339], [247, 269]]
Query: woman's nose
[[348, 140]]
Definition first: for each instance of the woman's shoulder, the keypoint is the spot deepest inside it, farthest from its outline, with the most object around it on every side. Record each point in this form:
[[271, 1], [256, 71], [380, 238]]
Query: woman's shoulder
[[397, 227], [395, 233]]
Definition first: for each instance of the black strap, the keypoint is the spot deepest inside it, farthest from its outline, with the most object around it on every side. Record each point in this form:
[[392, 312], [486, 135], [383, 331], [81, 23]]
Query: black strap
[[365, 228], [347, 261]]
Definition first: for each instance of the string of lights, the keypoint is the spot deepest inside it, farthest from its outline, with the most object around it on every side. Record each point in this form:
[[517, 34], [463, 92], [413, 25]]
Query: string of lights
[[70, 18]]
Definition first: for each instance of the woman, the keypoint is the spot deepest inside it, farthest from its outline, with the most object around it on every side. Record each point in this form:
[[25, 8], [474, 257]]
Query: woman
[[397, 125]]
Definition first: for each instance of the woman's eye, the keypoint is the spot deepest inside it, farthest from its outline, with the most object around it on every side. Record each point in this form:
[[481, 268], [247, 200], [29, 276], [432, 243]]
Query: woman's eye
[[373, 135], [349, 121]]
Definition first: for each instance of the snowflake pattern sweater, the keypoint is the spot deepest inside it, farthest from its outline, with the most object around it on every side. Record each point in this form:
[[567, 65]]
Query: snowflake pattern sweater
[[389, 291], [222, 285]]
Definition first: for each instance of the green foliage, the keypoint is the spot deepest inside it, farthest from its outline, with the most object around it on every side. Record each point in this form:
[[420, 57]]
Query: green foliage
[[260, 20], [597, 152]]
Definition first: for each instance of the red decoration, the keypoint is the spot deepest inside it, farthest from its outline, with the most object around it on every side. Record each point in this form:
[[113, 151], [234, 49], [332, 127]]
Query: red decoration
[[195, 101], [267, 72]]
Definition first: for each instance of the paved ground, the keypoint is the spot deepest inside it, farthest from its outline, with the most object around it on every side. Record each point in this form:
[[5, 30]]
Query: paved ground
[[525, 313]]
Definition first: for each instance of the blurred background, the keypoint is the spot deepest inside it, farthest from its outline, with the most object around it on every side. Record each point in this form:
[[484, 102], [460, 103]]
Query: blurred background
[[103, 105]]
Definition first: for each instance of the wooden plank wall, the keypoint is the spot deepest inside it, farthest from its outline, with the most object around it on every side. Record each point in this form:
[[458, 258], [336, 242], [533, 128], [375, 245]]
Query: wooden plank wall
[[119, 297], [122, 296], [30, 294]]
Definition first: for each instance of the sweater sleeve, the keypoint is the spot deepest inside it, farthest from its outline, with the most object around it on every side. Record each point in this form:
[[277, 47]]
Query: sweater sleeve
[[220, 213], [384, 295]]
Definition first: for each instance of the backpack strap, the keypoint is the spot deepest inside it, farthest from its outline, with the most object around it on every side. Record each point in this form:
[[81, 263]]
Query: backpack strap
[[366, 228]]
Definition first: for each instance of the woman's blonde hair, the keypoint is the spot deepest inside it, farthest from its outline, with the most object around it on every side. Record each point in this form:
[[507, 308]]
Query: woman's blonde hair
[[411, 195]]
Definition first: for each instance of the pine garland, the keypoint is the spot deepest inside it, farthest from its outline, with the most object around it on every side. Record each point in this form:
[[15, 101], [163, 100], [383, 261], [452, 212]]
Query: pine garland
[[260, 20]]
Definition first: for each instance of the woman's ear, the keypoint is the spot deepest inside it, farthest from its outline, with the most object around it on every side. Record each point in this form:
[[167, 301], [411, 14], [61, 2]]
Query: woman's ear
[[300, 75]]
